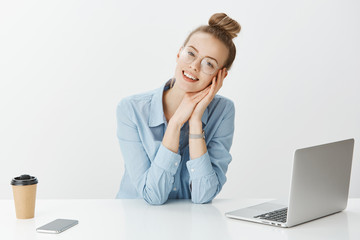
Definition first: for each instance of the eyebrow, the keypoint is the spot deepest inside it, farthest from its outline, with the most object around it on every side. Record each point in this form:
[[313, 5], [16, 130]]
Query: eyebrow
[[204, 56]]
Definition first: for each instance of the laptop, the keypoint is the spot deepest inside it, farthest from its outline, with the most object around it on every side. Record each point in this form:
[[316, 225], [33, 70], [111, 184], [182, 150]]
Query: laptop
[[319, 187]]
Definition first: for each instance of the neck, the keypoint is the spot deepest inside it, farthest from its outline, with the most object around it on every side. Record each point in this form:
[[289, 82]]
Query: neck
[[171, 101]]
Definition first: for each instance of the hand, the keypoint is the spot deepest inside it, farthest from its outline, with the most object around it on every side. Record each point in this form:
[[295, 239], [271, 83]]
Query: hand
[[215, 86], [188, 105]]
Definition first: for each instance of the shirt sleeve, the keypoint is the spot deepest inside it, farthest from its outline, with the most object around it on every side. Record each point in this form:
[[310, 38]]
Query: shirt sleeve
[[152, 180], [207, 173]]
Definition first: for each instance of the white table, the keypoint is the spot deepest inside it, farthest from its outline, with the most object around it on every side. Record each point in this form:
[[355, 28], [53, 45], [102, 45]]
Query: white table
[[177, 219]]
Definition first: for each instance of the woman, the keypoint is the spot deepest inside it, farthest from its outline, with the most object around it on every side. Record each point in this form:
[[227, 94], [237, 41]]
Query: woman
[[175, 140]]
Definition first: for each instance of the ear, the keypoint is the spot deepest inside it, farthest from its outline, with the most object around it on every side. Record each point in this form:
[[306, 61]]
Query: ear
[[178, 54]]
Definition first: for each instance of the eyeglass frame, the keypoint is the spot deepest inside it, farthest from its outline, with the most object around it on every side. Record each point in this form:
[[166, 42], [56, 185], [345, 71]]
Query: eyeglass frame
[[201, 58]]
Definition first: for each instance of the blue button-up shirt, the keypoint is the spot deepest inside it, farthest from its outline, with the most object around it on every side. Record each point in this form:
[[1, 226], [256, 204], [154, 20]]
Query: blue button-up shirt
[[155, 173]]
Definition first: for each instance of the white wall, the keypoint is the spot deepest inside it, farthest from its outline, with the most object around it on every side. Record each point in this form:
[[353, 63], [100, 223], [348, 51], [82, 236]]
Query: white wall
[[64, 65]]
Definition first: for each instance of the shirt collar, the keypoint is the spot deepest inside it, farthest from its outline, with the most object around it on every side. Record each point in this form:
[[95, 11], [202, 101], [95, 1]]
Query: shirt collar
[[157, 116]]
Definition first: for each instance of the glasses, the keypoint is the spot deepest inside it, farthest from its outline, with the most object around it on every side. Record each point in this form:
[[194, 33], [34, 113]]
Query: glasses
[[207, 66]]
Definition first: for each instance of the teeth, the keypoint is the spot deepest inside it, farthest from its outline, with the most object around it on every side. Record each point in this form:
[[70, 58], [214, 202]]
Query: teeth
[[189, 76]]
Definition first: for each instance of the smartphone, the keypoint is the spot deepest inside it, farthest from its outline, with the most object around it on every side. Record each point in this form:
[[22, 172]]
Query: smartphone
[[57, 226]]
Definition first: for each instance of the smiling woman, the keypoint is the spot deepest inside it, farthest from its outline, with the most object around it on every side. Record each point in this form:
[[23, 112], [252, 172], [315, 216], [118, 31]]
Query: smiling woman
[[175, 140]]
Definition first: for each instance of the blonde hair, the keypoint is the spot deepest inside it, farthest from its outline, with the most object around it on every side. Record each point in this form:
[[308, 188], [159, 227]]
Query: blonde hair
[[223, 28]]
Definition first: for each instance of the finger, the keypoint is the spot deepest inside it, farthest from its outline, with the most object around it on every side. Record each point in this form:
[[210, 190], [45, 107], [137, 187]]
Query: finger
[[220, 80], [224, 74], [195, 94], [202, 95], [204, 91], [213, 84]]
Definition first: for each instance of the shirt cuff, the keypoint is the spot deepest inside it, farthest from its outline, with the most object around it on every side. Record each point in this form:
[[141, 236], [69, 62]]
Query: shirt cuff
[[200, 167], [167, 160]]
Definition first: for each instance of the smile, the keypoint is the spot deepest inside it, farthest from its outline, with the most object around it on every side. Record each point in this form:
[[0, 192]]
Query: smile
[[189, 77]]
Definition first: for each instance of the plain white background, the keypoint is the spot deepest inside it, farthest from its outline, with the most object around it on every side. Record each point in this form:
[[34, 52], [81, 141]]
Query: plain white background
[[64, 66]]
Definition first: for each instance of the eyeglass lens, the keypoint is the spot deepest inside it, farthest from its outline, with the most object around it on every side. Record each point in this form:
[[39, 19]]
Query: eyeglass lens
[[208, 65]]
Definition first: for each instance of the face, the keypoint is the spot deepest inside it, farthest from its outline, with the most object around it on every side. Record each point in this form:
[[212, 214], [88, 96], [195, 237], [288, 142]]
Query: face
[[205, 51]]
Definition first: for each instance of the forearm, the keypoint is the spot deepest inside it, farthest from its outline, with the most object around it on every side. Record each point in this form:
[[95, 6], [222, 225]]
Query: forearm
[[197, 146], [157, 182], [204, 181], [172, 136]]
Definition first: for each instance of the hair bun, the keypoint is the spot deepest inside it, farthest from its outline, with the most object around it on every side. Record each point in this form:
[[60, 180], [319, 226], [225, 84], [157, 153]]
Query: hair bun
[[226, 23]]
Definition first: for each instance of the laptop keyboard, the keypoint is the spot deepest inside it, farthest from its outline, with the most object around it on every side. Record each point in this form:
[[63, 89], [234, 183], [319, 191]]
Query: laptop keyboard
[[277, 216]]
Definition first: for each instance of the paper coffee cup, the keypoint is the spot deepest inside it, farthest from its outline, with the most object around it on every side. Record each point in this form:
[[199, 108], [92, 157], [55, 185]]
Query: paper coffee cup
[[24, 190]]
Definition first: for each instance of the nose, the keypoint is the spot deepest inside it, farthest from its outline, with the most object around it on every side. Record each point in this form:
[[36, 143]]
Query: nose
[[196, 65]]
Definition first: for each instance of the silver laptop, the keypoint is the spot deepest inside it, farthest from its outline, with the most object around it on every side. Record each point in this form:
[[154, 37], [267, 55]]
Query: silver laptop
[[319, 187]]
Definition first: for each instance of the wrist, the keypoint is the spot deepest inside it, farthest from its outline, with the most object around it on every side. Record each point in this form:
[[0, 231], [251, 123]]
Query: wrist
[[195, 126], [195, 119], [174, 124]]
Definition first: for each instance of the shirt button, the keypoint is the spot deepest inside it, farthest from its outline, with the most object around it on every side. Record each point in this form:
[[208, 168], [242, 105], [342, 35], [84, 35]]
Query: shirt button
[[176, 163], [174, 189], [192, 170]]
